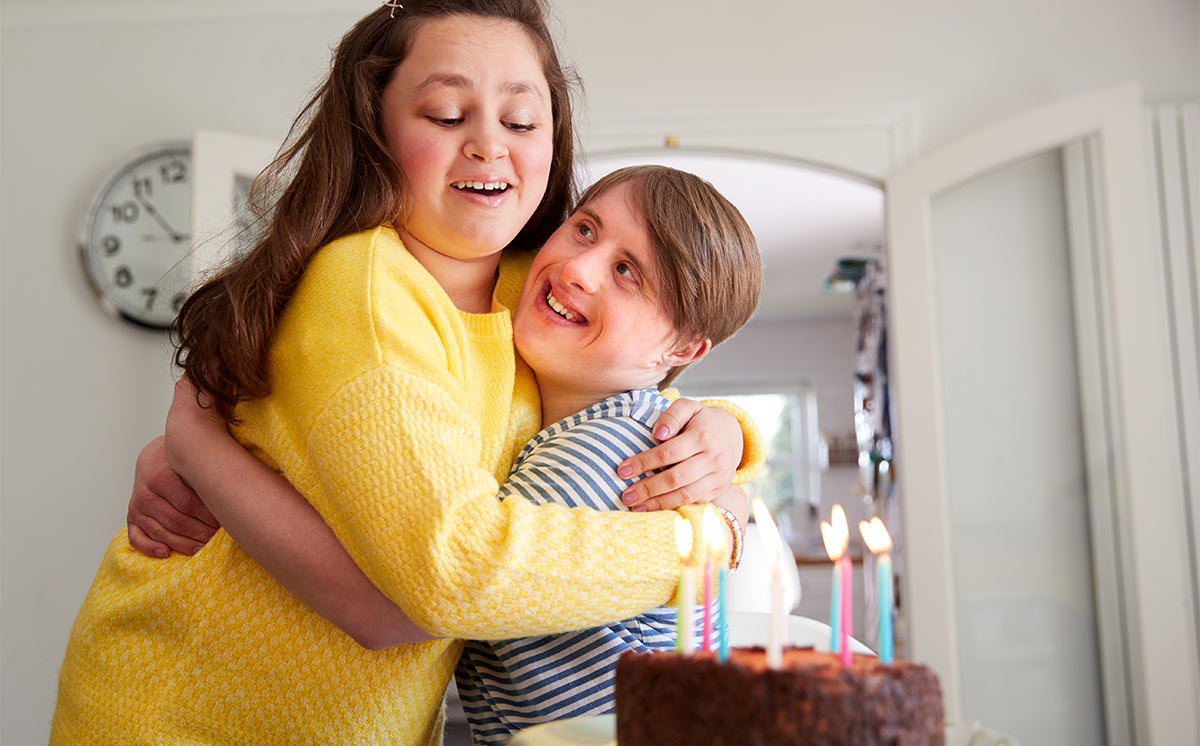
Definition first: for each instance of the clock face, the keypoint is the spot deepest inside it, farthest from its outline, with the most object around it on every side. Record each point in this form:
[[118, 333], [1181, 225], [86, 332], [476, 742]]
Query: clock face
[[138, 234]]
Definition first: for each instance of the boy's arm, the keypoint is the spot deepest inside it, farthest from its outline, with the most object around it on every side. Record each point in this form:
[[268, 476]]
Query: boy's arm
[[277, 527]]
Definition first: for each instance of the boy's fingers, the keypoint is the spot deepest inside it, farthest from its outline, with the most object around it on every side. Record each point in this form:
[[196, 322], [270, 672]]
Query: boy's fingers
[[151, 532], [168, 487], [144, 544]]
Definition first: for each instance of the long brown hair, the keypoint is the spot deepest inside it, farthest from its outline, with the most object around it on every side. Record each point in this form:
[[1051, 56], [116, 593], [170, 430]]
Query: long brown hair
[[335, 176]]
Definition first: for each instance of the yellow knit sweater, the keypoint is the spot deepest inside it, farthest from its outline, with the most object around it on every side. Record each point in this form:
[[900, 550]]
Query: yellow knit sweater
[[396, 415]]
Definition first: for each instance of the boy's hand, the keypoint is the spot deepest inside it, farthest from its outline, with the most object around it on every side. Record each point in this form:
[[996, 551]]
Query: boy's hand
[[703, 447], [164, 513]]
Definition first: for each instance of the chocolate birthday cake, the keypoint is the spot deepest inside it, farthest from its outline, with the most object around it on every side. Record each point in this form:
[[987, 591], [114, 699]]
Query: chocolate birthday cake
[[665, 699]]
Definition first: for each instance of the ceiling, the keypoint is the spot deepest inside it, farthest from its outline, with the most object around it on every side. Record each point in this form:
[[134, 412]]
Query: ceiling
[[805, 218]]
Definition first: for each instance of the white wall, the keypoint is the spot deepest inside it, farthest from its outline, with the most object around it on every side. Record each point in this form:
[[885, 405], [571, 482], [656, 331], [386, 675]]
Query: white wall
[[83, 82]]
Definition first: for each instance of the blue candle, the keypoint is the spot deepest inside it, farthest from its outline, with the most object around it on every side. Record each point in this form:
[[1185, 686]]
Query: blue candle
[[885, 608], [835, 609], [876, 537]]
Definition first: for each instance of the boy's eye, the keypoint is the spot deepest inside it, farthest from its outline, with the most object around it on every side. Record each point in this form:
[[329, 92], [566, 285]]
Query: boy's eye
[[520, 126], [445, 121]]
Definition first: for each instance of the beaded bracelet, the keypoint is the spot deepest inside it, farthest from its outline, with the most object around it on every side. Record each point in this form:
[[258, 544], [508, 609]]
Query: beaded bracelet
[[735, 530]]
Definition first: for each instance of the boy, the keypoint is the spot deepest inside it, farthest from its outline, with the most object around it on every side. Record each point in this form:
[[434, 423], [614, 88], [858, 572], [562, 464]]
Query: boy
[[651, 271]]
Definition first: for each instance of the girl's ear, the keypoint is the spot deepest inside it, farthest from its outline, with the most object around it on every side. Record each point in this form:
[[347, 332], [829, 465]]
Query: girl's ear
[[686, 353]]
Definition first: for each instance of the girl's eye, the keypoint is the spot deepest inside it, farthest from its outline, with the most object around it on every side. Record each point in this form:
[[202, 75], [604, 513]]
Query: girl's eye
[[520, 126], [625, 269], [445, 121]]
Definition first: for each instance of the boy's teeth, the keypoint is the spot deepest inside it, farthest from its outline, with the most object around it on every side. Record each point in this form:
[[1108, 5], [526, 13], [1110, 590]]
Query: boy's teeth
[[559, 308]]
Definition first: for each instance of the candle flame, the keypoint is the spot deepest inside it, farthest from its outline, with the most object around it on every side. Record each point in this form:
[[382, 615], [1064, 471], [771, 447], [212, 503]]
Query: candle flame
[[772, 542], [683, 537], [712, 533], [837, 535], [875, 534]]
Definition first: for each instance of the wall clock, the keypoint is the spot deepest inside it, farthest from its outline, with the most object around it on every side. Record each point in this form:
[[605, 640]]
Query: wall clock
[[137, 237]]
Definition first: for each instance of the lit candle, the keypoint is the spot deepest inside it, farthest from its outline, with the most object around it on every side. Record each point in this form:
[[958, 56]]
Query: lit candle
[[835, 547], [875, 534], [836, 536], [722, 625], [685, 595], [773, 546], [711, 534]]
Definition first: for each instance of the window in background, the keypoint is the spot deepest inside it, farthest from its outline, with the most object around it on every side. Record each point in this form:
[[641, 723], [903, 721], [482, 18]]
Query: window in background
[[787, 417]]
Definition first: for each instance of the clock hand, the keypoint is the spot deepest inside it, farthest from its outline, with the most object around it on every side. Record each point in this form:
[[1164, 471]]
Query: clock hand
[[175, 236]]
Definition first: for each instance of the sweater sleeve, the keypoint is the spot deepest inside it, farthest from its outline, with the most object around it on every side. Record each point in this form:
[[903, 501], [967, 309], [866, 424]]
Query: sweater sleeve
[[420, 516]]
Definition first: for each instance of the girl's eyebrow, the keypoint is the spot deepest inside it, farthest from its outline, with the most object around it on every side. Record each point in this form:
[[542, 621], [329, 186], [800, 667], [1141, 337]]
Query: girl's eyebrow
[[454, 80]]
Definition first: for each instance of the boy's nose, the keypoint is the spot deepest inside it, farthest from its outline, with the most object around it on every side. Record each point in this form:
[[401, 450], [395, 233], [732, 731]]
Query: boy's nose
[[584, 271]]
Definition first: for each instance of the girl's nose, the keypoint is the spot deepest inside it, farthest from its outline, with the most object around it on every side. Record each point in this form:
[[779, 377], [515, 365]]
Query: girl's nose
[[485, 143], [584, 271]]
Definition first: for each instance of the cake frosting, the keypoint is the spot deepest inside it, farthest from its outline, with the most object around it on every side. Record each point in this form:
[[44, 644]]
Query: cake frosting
[[664, 699]]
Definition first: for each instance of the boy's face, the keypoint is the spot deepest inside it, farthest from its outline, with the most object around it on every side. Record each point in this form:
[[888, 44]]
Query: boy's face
[[589, 317]]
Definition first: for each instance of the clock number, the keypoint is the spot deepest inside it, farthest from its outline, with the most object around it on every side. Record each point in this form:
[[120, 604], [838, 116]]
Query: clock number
[[126, 213], [111, 245], [123, 277], [177, 301], [143, 187], [151, 294], [173, 172]]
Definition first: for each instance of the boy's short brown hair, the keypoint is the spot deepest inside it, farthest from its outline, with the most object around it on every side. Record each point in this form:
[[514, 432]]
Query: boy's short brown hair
[[706, 261]]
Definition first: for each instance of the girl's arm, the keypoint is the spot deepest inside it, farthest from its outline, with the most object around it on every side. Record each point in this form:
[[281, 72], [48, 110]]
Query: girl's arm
[[274, 524], [712, 444]]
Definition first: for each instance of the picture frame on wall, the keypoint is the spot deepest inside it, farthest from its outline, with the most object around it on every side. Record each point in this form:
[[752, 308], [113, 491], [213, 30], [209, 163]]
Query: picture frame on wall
[[224, 165]]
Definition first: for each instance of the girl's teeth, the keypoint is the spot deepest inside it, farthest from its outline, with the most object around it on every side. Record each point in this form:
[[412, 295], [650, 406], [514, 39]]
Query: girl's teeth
[[559, 308], [486, 186]]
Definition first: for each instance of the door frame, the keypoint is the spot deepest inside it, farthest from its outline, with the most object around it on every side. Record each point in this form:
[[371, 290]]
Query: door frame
[[1163, 693]]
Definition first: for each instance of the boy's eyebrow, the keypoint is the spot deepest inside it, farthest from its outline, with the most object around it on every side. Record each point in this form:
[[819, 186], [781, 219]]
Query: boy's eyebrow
[[454, 80], [591, 214]]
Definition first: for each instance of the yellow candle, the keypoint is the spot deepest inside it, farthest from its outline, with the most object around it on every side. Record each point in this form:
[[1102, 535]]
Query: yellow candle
[[685, 633]]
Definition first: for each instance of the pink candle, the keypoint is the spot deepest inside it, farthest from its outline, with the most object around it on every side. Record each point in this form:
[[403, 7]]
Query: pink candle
[[706, 638], [847, 602], [712, 540]]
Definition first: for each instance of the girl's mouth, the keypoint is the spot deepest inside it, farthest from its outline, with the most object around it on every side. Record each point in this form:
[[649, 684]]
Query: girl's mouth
[[482, 187]]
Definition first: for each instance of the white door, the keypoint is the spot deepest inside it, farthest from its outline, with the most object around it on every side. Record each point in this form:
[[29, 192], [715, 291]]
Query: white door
[[1047, 579]]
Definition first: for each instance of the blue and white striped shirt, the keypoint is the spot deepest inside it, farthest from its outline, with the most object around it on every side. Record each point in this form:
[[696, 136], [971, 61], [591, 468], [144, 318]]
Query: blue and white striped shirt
[[512, 684]]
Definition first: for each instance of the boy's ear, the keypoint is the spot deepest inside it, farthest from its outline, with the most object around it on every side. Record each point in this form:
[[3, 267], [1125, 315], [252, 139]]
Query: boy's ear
[[688, 352]]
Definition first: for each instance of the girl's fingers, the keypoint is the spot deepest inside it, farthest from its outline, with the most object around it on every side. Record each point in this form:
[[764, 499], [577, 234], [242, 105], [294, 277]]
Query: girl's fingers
[[686, 478], [677, 450], [676, 417], [703, 490]]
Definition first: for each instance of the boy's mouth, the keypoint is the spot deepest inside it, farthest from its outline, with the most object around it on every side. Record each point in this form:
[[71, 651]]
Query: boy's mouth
[[557, 306], [482, 187]]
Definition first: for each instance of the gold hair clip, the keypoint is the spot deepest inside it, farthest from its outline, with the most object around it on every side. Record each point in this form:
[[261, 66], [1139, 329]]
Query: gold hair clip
[[393, 5]]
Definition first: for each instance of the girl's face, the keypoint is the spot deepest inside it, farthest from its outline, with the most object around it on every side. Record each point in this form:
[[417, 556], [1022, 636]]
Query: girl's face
[[589, 317], [467, 117]]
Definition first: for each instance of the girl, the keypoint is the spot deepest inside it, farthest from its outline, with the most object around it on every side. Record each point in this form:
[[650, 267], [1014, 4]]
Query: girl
[[365, 347]]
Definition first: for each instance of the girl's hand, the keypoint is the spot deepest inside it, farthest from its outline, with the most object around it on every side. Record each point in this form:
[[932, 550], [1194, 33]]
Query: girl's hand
[[165, 514], [703, 447]]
